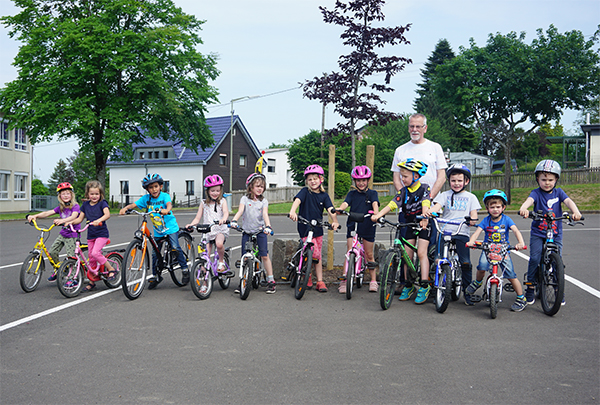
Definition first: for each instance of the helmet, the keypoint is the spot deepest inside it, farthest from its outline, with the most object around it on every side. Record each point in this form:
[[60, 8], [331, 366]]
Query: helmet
[[64, 186], [213, 180], [458, 168], [253, 176], [314, 169], [495, 193], [549, 166], [415, 166], [361, 172], [150, 179]]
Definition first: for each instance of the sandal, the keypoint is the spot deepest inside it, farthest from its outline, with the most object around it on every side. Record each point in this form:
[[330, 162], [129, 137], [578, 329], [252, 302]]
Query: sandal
[[321, 287], [112, 275], [89, 287]]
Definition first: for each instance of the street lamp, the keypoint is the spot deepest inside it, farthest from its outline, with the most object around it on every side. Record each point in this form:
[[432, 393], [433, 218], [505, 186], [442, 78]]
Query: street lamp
[[231, 141]]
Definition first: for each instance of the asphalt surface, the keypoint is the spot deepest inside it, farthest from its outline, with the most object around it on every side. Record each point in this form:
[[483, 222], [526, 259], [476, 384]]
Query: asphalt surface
[[169, 347]]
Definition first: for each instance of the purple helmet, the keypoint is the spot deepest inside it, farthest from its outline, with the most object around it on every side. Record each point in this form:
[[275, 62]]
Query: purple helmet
[[253, 176], [361, 172], [213, 180], [314, 169]]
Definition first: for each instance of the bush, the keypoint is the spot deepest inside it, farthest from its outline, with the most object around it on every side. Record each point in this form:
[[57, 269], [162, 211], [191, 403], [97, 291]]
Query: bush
[[498, 172], [343, 181]]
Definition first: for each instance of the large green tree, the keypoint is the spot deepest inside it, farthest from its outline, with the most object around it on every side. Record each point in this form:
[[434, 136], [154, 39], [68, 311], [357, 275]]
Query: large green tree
[[509, 83], [62, 173], [108, 72]]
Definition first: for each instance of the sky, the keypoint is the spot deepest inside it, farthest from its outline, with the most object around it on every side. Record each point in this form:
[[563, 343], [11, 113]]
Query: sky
[[266, 48]]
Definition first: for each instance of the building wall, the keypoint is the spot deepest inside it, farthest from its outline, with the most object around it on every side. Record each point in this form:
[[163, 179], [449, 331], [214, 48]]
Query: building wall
[[595, 151], [279, 174], [15, 166]]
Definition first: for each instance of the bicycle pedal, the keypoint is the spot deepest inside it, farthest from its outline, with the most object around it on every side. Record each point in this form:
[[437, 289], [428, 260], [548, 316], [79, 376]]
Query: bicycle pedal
[[238, 263], [343, 278], [476, 298], [509, 288]]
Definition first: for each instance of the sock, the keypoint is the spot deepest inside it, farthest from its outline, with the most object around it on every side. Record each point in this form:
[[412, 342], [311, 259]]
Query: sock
[[270, 279]]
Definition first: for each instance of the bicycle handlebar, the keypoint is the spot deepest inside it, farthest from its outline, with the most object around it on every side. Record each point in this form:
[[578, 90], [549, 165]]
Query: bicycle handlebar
[[383, 221], [313, 223], [437, 220], [486, 245], [260, 230], [355, 216], [550, 218], [34, 224]]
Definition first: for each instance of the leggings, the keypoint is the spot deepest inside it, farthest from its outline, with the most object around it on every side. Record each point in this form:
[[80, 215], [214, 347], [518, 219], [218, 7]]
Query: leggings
[[97, 259]]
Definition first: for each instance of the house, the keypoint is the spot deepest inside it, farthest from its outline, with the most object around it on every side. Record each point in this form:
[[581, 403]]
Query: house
[[278, 172], [478, 164], [592, 139], [184, 170], [15, 169]]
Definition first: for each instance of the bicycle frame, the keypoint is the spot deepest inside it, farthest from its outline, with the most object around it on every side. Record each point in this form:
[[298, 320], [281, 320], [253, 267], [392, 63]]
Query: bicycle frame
[[40, 246], [495, 253], [398, 246], [448, 246]]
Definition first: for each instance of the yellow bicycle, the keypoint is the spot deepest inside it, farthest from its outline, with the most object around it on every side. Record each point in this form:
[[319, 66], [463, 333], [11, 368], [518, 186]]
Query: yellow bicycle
[[33, 266]]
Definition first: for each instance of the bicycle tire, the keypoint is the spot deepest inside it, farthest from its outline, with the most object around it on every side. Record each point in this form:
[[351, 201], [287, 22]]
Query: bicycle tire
[[304, 275], [293, 270], [441, 298], [456, 277], [225, 281], [187, 247], [388, 280], [116, 261], [494, 300], [350, 274], [31, 272], [552, 284], [135, 269], [200, 277], [69, 280], [246, 280]]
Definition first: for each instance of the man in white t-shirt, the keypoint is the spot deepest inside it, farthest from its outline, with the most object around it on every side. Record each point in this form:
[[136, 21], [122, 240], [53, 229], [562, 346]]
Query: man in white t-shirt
[[424, 150]]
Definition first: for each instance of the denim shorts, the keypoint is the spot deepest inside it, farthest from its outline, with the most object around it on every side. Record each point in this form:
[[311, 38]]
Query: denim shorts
[[506, 266]]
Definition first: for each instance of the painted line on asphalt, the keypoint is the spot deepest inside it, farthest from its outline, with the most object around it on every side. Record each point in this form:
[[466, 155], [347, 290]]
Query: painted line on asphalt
[[570, 279]]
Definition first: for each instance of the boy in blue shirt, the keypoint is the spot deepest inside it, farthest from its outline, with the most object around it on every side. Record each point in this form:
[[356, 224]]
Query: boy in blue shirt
[[546, 198], [164, 223]]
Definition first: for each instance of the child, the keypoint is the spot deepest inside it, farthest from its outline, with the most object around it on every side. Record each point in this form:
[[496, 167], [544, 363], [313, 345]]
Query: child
[[254, 211], [496, 226], [214, 208], [68, 209], [362, 200], [546, 198], [458, 203], [163, 221], [95, 209], [311, 200], [412, 200]]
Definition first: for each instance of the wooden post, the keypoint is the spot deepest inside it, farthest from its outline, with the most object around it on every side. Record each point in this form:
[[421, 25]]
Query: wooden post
[[371, 162], [331, 192]]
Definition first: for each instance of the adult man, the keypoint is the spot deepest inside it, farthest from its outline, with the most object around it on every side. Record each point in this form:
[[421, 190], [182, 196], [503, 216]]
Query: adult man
[[424, 150]]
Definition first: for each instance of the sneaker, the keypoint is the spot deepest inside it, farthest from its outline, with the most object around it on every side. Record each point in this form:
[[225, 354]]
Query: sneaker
[[271, 288], [373, 286], [221, 266], [154, 282], [321, 287], [70, 284], [519, 305], [204, 289], [310, 284], [407, 293], [468, 301], [342, 287], [473, 287], [563, 300], [422, 295], [53, 276], [530, 296], [186, 277]]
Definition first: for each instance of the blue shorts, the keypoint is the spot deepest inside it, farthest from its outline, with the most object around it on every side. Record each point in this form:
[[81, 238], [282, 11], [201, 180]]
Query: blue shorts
[[506, 266], [263, 244], [370, 237]]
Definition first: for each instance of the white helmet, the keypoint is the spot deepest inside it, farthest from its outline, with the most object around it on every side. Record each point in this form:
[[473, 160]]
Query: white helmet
[[548, 166]]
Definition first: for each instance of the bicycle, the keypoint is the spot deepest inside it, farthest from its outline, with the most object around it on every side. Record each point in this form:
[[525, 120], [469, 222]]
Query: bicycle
[[395, 259], [447, 281], [495, 253], [550, 275], [206, 269], [300, 266], [69, 278], [252, 272], [34, 265], [137, 259], [355, 257]]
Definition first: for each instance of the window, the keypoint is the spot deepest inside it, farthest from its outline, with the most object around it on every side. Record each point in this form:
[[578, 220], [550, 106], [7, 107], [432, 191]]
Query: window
[[165, 154], [4, 176], [270, 165], [242, 160], [166, 185], [189, 187], [141, 155], [20, 186], [124, 187], [223, 159], [272, 185], [4, 137], [156, 155], [20, 140], [150, 155]]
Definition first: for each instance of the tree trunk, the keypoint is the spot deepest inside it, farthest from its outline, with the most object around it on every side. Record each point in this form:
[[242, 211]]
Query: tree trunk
[[507, 170]]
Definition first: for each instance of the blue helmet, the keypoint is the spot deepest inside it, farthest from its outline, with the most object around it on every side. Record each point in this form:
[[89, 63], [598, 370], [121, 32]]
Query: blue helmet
[[151, 178], [415, 166], [495, 193], [458, 168]]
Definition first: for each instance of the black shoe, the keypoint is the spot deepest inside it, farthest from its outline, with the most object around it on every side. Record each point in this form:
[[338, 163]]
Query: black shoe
[[155, 281], [186, 277], [271, 289]]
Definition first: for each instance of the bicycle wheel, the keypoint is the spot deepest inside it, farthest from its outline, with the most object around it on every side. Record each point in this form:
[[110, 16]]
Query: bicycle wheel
[[292, 269], [201, 280], [246, 280], [303, 276], [135, 268], [441, 298], [493, 300], [388, 280], [456, 277], [552, 287], [187, 247], [69, 279], [223, 280], [350, 274], [116, 261], [31, 272]]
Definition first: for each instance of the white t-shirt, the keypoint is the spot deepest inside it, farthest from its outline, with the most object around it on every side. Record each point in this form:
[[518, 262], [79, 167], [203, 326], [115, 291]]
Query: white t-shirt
[[428, 152], [464, 203]]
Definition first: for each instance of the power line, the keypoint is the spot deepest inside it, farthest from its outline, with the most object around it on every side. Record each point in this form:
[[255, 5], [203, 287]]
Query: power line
[[255, 97]]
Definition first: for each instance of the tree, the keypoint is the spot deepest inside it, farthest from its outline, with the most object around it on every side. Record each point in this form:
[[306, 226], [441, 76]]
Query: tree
[[81, 164], [508, 83], [348, 90], [62, 173], [38, 188], [109, 72]]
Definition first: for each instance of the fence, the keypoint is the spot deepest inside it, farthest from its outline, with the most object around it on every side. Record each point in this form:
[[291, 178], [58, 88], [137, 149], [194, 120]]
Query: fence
[[43, 202]]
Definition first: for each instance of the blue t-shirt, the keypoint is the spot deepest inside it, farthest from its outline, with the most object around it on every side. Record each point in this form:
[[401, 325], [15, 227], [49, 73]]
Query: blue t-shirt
[[92, 213], [311, 207], [161, 228], [496, 232], [548, 202], [362, 202]]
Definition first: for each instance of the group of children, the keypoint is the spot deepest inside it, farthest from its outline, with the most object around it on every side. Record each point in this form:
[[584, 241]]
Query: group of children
[[412, 200]]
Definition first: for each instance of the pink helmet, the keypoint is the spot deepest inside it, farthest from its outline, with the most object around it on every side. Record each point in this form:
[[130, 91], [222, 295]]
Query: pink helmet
[[253, 176], [314, 169], [213, 180], [361, 172]]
